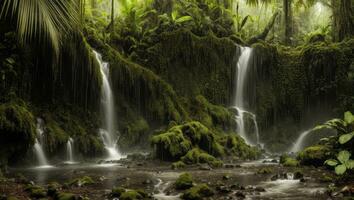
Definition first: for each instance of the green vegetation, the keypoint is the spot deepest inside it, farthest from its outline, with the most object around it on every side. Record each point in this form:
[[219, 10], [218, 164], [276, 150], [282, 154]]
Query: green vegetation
[[184, 181], [194, 143], [198, 192]]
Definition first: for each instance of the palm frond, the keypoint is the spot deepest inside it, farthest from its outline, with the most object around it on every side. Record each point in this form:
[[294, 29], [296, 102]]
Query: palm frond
[[41, 20]]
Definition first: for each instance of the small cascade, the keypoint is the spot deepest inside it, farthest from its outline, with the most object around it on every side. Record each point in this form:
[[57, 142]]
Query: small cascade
[[38, 148], [239, 104], [108, 131], [298, 145], [69, 151]]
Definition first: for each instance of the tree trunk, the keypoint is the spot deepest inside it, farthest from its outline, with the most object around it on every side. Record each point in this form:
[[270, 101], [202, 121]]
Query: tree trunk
[[343, 19], [264, 34], [112, 16], [94, 7], [288, 18]]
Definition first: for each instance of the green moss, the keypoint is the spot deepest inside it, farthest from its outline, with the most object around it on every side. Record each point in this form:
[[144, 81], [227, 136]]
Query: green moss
[[83, 181], [236, 146], [131, 195], [291, 162], [184, 181], [196, 155], [198, 192], [17, 128], [265, 170], [36, 191], [171, 145], [178, 165], [314, 155], [117, 192]]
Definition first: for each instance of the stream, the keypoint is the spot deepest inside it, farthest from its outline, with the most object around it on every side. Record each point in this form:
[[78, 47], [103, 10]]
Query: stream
[[158, 179]]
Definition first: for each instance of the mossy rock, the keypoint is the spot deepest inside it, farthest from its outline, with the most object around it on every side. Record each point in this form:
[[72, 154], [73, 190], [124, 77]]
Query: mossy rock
[[178, 165], [180, 139], [117, 192], [131, 195], [265, 170], [12, 198], [80, 182], [17, 128], [291, 162], [35, 191], [184, 181], [196, 156], [52, 189], [314, 155], [198, 192], [65, 196]]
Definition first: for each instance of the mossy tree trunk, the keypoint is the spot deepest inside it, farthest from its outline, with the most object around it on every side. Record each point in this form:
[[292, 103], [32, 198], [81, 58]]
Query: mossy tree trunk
[[288, 19], [343, 19]]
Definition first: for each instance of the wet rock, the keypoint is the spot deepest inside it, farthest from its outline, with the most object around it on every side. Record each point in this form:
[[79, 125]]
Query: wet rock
[[205, 167], [147, 182], [260, 189], [240, 194], [302, 180], [102, 178], [52, 189], [235, 187], [223, 189], [275, 177], [226, 177], [347, 190], [270, 161], [117, 192], [298, 175]]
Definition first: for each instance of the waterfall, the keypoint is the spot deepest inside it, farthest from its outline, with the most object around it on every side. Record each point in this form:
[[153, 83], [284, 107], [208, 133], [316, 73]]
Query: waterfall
[[298, 145], [69, 151], [108, 131], [239, 101], [38, 149]]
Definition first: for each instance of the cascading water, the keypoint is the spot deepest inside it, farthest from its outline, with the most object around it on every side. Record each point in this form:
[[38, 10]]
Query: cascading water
[[108, 130], [298, 145], [239, 104], [69, 151], [38, 149]]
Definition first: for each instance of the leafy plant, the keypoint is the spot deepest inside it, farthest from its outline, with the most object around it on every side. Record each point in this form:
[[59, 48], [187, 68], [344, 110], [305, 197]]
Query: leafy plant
[[345, 134], [342, 164]]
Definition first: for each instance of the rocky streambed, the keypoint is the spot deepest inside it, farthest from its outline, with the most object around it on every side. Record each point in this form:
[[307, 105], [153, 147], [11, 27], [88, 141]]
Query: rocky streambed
[[144, 179]]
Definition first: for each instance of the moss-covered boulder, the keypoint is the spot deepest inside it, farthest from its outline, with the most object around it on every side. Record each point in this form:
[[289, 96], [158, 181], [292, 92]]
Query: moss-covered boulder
[[133, 195], [184, 181], [196, 156], [178, 165], [288, 161], [35, 191], [17, 130], [117, 191], [198, 192], [314, 155], [80, 182]]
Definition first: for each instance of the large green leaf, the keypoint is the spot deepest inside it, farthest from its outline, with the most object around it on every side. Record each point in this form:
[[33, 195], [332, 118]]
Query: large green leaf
[[350, 164], [346, 138], [42, 20], [343, 156], [340, 169], [331, 162], [348, 117]]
